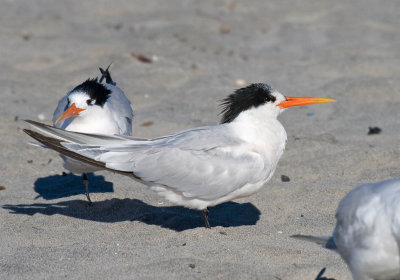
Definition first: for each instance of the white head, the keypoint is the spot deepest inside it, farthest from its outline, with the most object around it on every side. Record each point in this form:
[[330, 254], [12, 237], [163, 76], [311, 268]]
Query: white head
[[263, 98], [88, 96]]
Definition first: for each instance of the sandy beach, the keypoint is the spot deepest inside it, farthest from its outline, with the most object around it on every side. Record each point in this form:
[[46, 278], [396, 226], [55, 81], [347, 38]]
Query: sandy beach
[[176, 60]]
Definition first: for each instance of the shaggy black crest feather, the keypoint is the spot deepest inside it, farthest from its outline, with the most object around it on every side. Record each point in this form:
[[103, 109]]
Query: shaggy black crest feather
[[243, 99], [105, 74], [96, 91]]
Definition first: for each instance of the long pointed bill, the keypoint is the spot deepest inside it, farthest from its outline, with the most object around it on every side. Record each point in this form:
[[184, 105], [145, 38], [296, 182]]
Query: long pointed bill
[[301, 101], [71, 111]]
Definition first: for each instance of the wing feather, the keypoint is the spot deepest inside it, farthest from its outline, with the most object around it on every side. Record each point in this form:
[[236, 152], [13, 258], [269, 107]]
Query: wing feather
[[121, 109], [198, 163], [206, 162]]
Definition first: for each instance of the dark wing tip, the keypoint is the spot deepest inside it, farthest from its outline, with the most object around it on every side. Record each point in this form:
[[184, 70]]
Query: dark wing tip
[[29, 132], [35, 123], [56, 145]]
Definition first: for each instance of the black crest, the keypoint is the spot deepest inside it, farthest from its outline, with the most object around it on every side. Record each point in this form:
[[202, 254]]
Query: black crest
[[243, 99], [97, 92], [105, 74]]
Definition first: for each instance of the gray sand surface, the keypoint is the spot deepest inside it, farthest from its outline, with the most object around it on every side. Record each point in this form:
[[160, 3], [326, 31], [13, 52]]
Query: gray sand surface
[[201, 51]]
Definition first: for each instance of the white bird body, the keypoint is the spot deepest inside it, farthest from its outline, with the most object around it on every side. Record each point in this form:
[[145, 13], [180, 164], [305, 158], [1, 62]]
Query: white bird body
[[209, 171], [204, 166], [115, 117], [93, 107], [198, 167], [367, 233]]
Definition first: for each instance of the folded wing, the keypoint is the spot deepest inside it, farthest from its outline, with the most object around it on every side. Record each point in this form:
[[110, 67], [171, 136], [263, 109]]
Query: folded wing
[[206, 162]]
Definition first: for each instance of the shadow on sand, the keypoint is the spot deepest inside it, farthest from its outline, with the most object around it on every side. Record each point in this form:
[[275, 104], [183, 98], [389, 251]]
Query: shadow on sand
[[59, 186], [229, 214]]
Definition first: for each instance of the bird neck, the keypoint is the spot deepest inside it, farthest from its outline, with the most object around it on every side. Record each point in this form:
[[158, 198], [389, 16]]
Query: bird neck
[[263, 130], [265, 119]]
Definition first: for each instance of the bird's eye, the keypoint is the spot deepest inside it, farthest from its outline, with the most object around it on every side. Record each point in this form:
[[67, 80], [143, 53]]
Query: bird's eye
[[90, 101], [271, 98]]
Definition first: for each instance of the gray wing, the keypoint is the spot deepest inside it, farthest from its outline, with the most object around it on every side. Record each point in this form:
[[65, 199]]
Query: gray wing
[[206, 174], [206, 162], [59, 110], [120, 106]]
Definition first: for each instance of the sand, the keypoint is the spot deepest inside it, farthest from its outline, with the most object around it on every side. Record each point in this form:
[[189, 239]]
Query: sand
[[200, 52]]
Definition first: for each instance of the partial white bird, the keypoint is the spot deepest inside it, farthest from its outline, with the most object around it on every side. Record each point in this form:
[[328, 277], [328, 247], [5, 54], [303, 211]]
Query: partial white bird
[[198, 167], [93, 107], [367, 232]]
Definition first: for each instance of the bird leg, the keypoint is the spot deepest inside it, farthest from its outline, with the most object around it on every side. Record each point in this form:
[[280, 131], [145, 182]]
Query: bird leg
[[86, 183], [205, 217]]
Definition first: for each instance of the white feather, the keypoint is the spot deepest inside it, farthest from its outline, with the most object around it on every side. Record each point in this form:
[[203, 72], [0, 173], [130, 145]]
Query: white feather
[[198, 167], [367, 232], [114, 117]]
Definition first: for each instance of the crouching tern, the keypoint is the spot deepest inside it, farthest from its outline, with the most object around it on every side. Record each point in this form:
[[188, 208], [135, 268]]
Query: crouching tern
[[199, 167], [93, 107], [367, 232]]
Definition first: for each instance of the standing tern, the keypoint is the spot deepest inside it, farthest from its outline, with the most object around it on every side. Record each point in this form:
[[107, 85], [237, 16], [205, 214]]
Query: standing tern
[[367, 232], [199, 167], [93, 107]]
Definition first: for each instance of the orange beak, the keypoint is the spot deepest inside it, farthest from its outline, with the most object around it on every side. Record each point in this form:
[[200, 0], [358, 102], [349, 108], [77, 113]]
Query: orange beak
[[301, 101], [71, 111]]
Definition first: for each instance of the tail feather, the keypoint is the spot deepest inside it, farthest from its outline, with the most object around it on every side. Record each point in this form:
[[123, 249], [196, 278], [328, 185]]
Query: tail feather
[[324, 241]]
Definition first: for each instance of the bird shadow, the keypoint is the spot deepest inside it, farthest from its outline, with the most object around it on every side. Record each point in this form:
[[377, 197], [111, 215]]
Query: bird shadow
[[59, 186], [177, 218]]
